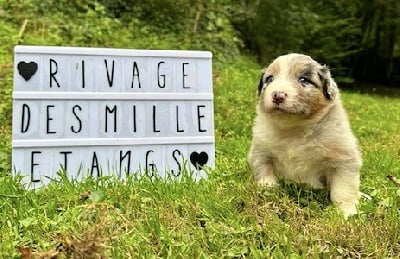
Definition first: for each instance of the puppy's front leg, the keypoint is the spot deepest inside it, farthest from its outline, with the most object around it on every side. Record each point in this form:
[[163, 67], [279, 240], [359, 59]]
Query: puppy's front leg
[[262, 170], [344, 191], [265, 176]]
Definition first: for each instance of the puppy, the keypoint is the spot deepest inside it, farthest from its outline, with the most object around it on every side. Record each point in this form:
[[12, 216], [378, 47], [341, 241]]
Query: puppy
[[301, 131]]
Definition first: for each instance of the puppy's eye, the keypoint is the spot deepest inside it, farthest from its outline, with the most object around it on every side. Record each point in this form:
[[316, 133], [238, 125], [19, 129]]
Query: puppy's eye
[[269, 79], [305, 80]]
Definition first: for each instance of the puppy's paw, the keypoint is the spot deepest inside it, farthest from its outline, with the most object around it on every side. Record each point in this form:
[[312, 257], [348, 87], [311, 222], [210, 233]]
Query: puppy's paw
[[267, 181], [348, 210]]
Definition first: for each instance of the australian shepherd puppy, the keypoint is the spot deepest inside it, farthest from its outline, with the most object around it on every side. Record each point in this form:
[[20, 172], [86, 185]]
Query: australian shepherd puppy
[[301, 131]]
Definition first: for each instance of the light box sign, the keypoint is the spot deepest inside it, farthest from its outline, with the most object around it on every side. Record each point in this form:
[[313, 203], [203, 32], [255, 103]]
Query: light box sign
[[96, 112]]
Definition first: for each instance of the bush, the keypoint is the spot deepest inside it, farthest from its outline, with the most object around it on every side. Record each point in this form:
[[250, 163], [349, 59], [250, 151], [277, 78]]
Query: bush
[[156, 24]]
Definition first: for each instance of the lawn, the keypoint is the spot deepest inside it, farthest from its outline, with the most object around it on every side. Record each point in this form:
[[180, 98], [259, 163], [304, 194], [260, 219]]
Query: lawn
[[226, 215]]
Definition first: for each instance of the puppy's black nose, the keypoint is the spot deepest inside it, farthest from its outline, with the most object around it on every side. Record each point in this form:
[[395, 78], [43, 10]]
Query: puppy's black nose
[[278, 97]]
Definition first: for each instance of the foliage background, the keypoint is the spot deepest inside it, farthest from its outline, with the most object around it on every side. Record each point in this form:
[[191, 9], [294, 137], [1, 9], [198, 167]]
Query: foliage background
[[358, 39]]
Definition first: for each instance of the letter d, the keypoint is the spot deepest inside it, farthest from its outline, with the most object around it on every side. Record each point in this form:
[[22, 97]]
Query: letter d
[[26, 118]]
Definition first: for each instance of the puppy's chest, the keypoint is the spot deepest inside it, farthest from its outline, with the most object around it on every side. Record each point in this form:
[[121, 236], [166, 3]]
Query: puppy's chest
[[299, 161]]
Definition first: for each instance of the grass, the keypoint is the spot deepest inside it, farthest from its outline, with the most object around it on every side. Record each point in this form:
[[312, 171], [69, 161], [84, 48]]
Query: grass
[[226, 215]]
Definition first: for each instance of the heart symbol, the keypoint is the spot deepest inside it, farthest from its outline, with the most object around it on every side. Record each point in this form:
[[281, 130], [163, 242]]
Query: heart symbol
[[198, 160], [27, 70]]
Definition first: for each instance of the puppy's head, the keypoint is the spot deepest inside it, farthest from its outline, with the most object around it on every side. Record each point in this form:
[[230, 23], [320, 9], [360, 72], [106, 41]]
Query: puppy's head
[[295, 84]]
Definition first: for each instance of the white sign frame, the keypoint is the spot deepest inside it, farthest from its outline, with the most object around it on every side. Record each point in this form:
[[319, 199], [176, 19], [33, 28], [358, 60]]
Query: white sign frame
[[99, 111]]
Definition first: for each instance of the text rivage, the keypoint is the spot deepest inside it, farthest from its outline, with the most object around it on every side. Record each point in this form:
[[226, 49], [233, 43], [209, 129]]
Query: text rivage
[[127, 74]]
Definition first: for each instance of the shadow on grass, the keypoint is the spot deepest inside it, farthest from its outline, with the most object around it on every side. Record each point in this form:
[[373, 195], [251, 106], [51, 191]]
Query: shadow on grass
[[295, 200]]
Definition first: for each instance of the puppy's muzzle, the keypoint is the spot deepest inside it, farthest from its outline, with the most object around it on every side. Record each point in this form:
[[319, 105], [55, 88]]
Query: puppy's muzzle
[[278, 97]]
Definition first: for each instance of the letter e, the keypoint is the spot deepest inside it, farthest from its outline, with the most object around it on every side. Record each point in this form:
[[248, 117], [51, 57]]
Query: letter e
[[33, 164], [199, 117]]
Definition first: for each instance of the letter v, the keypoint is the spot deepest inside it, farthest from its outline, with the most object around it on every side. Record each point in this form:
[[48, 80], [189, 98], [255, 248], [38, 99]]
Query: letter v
[[110, 80]]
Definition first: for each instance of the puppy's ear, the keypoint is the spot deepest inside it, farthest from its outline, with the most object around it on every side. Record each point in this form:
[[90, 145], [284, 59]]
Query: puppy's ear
[[329, 87], [260, 84]]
